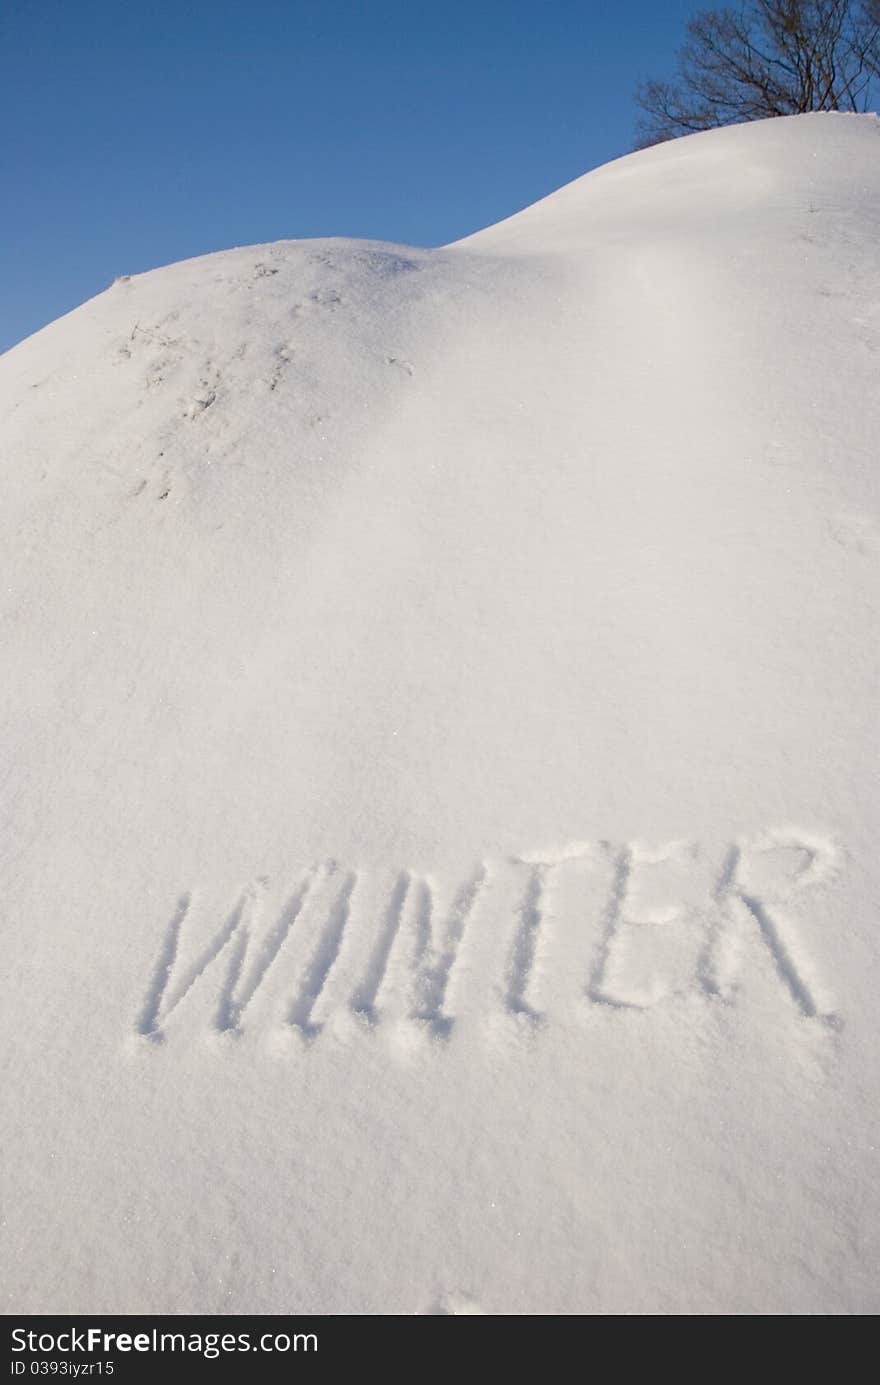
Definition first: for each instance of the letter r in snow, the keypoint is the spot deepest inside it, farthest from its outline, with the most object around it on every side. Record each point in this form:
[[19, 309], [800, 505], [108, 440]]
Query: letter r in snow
[[758, 882]]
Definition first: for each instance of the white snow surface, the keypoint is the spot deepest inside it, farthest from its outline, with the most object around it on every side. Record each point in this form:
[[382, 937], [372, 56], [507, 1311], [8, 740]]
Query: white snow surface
[[438, 761]]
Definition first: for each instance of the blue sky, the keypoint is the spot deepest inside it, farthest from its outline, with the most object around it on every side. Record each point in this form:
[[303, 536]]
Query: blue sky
[[140, 133]]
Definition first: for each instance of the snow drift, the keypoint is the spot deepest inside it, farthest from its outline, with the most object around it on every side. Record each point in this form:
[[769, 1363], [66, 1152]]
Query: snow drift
[[438, 761]]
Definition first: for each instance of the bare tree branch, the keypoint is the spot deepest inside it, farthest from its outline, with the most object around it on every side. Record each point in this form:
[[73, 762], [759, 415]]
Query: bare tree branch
[[767, 58]]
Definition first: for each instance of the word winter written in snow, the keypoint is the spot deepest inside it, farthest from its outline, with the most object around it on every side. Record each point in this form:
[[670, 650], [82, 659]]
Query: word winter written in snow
[[542, 934]]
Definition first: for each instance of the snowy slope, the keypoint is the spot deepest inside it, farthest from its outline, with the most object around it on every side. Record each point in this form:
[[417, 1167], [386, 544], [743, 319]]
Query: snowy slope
[[438, 747]]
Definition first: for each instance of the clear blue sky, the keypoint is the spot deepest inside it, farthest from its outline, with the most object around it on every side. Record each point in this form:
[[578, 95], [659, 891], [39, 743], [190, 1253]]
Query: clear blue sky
[[137, 132]]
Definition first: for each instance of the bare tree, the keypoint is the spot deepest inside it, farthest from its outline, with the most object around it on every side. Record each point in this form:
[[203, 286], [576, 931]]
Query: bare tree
[[871, 29], [766, 58]]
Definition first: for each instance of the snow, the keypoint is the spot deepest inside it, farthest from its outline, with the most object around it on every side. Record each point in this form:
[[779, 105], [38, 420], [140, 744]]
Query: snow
[[438, 772]]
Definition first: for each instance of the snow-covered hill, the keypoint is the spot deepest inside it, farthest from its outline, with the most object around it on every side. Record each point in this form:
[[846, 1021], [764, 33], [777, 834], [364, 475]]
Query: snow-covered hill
[[438, 761]]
